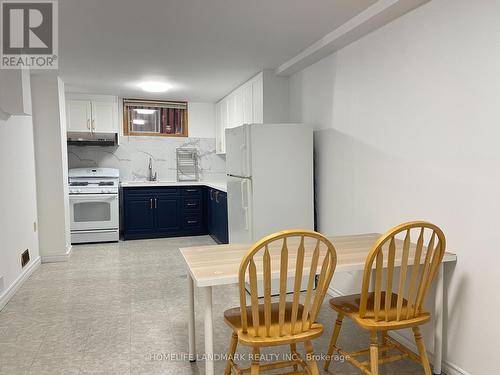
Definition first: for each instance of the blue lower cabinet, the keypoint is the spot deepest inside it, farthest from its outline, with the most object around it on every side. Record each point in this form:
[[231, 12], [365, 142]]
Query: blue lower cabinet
[[163, 212], [217, 215], [223, 218], [139, 219], [210, 211], [168, 211]]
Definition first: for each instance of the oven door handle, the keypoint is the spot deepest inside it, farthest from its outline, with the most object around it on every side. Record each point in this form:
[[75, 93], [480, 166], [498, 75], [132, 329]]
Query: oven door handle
[[96, 197]]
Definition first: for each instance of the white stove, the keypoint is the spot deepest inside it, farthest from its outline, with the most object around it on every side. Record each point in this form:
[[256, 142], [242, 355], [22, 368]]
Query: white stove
[[94, 204]]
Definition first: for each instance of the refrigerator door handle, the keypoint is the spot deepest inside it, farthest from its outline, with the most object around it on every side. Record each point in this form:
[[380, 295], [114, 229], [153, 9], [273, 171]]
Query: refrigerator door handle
[[244, 193], [243, 159], [246, 218], [244, 200]]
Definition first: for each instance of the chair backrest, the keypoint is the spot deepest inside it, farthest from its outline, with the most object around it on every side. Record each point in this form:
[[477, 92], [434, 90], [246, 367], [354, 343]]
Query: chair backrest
[[412, 285], [290, 253]]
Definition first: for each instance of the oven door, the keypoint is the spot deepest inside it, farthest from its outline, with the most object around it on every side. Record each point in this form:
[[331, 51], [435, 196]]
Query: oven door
[[93, 211]]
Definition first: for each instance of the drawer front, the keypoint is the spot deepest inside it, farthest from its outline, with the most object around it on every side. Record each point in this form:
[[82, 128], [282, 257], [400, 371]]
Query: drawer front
[[192, 204], [192, 191], [192, 221], [136, 191], [167, 190]]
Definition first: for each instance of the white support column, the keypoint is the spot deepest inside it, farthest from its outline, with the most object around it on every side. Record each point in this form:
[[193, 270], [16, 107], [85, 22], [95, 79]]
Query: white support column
[[191, 320], [438, 321], [209, 332]]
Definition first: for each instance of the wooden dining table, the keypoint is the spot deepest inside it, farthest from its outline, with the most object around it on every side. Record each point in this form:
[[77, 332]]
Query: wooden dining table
[[214, 265]]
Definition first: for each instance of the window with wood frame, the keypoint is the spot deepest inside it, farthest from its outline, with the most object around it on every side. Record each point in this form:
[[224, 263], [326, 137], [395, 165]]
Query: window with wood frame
[[155, 118]]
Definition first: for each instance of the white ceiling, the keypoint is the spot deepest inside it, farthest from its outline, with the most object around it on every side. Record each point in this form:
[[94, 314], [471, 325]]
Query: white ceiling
[[203, 48]]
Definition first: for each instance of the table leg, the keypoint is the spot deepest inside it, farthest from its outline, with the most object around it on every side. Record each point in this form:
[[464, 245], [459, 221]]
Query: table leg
[[191, 320], [438, 321], [209, 332]]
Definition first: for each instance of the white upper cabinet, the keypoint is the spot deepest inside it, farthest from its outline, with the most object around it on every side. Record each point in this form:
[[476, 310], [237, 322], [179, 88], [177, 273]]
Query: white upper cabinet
[[78, 115], [217, 128], [91, 114], [231, 111], [258, 100], [237, 108], [262, 99], [104, 117], [221, 123], [247, 104]]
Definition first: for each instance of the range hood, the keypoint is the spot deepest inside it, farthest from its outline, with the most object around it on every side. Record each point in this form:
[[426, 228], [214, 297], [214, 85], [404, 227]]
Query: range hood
[[92, 139]]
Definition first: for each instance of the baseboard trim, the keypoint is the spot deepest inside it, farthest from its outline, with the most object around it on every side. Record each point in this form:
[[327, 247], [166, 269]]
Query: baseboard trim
[[11, 290], [448, 368], [58, 258]]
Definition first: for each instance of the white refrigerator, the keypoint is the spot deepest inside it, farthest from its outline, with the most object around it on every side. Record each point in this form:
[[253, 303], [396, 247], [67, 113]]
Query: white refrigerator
[[269, 180]]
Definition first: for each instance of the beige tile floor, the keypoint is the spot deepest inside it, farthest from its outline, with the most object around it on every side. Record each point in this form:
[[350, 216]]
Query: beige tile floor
[[120, 309]]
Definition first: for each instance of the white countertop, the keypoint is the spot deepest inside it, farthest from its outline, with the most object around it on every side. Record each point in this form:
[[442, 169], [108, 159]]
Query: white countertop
[[219, 185]]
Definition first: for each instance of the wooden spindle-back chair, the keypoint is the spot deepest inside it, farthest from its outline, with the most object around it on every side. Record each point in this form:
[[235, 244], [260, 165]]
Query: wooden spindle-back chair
[[389, 301], [298, 254]]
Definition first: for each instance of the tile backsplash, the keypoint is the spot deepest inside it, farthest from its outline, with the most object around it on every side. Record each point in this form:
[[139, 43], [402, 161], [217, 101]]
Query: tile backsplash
[[131, 157]]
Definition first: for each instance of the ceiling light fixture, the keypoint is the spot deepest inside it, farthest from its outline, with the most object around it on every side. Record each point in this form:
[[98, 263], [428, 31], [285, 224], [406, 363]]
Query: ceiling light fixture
[[154, 86], [143, 111]]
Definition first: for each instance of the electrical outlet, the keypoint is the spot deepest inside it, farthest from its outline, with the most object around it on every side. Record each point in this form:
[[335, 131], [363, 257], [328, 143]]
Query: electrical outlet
[[25, 258]]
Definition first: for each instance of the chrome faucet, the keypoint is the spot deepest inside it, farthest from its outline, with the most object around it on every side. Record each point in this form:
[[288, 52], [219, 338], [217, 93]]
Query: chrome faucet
[[152, 177]]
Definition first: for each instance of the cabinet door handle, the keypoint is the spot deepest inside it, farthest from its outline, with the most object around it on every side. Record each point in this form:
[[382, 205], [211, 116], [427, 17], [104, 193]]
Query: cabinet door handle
[[156, 203], [191, 204], [151, 204], [192, 221], [217, 196], [93, 124], [191, 190], [88, 124], [211, 195]]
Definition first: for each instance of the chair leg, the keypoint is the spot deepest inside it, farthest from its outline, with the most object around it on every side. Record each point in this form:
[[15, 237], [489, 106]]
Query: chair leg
[[232, 350], [421, 350], [374, 353], [333, 341], [255, 368], [311, 361], [293, 350]]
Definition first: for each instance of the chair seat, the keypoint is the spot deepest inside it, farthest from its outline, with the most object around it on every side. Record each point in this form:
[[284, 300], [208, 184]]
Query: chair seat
[[349, 306], [233, 318]]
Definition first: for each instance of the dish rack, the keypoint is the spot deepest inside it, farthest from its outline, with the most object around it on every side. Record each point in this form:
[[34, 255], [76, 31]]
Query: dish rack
[[187, 164]]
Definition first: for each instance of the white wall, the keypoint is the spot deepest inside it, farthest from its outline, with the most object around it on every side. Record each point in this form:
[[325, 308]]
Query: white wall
[[201, 120], [49, 121], [411, 124], [18, 208]]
